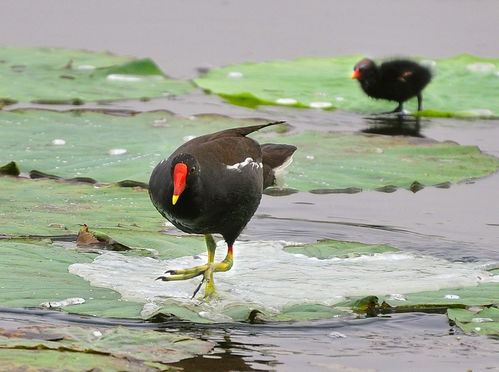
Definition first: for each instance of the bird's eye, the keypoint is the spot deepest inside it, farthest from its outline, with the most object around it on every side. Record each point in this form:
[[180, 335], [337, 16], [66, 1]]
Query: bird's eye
[[192, 170]]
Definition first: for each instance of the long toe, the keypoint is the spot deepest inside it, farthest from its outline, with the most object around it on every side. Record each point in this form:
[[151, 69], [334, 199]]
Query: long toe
[[177, 277], [197, 270], [171, 275]]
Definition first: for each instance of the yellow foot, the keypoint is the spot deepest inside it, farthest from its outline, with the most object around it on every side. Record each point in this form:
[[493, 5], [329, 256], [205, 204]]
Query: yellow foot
[[206, 270], [183, 274], [209, 290]]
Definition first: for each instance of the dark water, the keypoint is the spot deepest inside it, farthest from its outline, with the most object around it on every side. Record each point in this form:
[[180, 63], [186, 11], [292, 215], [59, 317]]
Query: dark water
[[401, 342], [459, 223]]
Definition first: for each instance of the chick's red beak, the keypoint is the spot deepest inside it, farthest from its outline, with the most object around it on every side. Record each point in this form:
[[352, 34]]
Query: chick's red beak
[[179, 178], [356, 73]]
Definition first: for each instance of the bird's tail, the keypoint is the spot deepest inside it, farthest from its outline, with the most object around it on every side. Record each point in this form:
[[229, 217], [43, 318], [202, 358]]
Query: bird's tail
[[244, 131], [275, 159]]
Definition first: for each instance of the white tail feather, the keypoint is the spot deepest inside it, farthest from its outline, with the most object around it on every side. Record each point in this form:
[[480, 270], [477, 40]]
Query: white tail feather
[[280, 172]]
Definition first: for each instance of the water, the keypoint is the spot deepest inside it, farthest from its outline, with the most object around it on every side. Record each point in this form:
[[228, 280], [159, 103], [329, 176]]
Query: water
[[408, 342], [458, 225]]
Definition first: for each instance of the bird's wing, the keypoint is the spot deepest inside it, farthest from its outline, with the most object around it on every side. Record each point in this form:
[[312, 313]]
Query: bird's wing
[[404, 76], [228, 150], [228, 146]]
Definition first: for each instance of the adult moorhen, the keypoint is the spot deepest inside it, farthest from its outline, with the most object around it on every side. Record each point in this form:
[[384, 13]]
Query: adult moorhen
[[396, 80], [213, 184]]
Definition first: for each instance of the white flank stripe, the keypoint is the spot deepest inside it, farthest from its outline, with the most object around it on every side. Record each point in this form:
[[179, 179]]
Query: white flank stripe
[[248, 161]]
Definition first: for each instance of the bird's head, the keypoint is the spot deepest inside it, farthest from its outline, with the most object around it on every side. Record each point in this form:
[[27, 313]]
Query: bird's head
[[362, 68], [185, 167]]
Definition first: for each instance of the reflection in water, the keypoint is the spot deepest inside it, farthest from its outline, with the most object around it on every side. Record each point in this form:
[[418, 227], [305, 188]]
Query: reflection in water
[[323, 345], [394, 125], [229, 355]]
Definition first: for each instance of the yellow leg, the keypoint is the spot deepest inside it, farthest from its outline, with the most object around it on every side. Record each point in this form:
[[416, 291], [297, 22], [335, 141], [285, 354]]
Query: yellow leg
[[206, 270]]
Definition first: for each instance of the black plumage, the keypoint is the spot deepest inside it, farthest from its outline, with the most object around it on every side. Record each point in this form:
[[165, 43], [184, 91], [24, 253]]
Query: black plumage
[[225, 174], [396, 80]]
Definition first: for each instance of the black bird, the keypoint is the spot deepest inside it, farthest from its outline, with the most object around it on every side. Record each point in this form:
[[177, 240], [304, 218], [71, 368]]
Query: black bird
[[396, 80], [213, 184]]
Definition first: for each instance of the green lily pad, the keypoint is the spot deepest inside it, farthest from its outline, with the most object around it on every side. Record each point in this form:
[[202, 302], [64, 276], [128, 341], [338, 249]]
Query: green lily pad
[[464, 85], [483, 294], [473, 309], [329, 248], [484, 321], [36, 272], [108, 148], [140, 347], [304, 312], [47, 75], [47, 208], [47, 360], [371, 162], [128, 148]]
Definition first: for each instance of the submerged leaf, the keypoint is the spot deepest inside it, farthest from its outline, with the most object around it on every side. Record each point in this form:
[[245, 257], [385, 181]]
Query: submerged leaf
[[326, 249]]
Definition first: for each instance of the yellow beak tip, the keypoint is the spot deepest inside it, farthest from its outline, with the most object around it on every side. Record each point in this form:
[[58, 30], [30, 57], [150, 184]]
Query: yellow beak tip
[[174, 199]]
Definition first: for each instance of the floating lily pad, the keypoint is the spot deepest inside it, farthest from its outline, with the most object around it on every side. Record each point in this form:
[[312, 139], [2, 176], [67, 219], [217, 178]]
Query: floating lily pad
[[36, 272], [49, 208], [305, 312], [111, 148], [473, 309], [371, 162], [327, 249], [283, 281], [483, 321], [483, 294], [143, 350], [47, 75], [463, 85], [47, 360], [105, 147]]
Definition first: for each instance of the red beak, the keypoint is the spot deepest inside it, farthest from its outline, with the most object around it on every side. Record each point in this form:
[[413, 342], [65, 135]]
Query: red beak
[[356, 74], [179, 178]]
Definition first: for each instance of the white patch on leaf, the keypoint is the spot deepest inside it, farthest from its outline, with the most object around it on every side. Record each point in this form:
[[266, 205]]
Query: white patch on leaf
[[117, 151], [235, 75], [58, 142], [66, 302], [286, 101], [320, 105], [481, 67]]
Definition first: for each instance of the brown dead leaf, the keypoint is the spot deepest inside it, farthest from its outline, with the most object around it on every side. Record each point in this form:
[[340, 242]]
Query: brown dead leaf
[[86, 238]]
